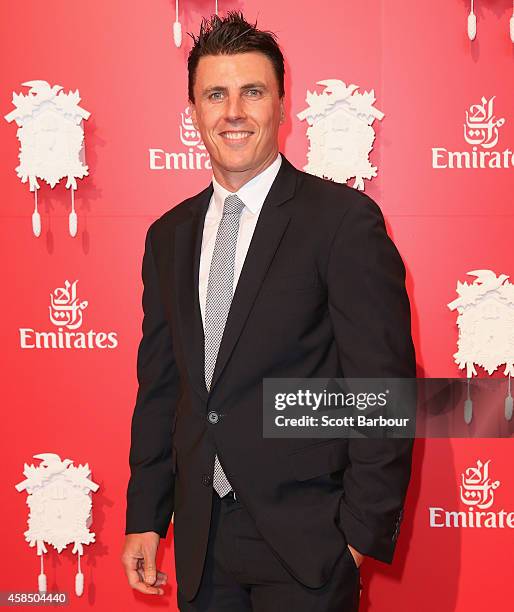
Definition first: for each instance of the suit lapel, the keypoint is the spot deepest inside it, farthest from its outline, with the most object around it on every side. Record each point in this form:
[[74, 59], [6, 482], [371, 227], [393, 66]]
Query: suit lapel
[[188, 245]]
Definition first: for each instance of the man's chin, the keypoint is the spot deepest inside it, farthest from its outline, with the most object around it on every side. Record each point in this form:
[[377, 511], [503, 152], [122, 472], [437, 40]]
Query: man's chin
[[234, 165]]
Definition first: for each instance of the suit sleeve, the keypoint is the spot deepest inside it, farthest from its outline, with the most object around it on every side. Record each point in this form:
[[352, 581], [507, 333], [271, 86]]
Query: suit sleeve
[[150, 491], [370, 313]]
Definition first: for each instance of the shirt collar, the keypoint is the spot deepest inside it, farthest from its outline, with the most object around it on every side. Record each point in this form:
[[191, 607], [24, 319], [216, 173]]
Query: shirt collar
[[253, 193]]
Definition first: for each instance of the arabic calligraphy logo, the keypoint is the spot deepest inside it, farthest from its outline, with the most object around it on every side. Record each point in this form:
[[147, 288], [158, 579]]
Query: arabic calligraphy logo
[[481, 127], [481, 131], [65, 308], [477, 493], [477, 489], [189, 135], [66, 314], [193, 157]]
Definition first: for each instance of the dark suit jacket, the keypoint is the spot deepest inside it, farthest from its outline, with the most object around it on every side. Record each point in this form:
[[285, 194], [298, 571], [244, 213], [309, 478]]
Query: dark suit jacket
[[321, 294]]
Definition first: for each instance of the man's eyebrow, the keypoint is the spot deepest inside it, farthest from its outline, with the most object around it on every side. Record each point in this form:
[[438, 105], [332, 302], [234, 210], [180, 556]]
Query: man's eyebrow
[[212, 88]]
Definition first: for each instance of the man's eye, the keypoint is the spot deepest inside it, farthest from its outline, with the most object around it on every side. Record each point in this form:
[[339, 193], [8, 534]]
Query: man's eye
[[254, 92], [214, 95]]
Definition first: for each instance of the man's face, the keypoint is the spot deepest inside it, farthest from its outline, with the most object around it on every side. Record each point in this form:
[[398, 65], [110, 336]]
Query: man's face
[[238, 111]]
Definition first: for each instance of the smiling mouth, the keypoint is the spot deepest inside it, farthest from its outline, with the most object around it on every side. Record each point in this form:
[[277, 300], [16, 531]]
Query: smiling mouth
[[236, 136]]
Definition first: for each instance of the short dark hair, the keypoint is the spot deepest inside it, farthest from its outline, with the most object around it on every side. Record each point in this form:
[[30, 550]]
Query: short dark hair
[[229, 35]]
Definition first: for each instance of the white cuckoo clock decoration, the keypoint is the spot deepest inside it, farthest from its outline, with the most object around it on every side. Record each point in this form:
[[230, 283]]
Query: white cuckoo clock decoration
[[59, 499], [340, 132], [486, 329], [51, 135], [486, 323]]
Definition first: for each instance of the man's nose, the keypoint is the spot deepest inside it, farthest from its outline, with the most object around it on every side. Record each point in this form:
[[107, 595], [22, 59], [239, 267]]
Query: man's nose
[[235, 108]]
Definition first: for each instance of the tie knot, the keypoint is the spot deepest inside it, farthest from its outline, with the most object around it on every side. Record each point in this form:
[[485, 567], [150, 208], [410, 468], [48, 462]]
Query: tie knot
[[233, 205]]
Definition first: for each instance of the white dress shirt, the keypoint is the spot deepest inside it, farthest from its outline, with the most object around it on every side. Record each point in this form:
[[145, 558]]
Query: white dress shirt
[[253, 193]]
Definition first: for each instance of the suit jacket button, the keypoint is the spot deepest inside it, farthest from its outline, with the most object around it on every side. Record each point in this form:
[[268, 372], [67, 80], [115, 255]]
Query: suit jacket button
[[213, 417], [207, 480]]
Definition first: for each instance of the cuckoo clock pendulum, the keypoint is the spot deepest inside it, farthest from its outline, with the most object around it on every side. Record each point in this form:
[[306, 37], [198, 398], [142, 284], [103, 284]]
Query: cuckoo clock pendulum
[[472, 22], [177, 26]]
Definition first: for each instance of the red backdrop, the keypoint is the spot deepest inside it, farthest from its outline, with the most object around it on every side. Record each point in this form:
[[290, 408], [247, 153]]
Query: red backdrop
[[78, 403]]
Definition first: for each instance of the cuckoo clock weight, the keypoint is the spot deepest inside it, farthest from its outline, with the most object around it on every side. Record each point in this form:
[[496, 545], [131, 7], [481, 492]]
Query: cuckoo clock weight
[[51, 135], [59, 500], [177, 26], [472, 22]]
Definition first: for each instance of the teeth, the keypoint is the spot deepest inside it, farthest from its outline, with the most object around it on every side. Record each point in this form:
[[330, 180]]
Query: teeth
[[236, 135]]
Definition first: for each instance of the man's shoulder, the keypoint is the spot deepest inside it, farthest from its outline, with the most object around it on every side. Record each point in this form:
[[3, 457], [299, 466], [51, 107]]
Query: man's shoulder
[[178, 213], [332, 199]]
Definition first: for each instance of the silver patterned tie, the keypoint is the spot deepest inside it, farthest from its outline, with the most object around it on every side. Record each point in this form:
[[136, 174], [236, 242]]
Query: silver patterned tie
[[217, 306]]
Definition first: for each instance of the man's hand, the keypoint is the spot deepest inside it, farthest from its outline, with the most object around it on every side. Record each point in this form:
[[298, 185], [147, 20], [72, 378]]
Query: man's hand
[[357, 556], [138, 559]]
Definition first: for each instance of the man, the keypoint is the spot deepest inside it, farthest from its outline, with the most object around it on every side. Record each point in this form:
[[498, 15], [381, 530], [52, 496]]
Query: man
[[268, 272]]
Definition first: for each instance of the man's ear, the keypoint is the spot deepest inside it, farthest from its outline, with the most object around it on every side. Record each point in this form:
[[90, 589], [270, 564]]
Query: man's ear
[[282, 111]]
